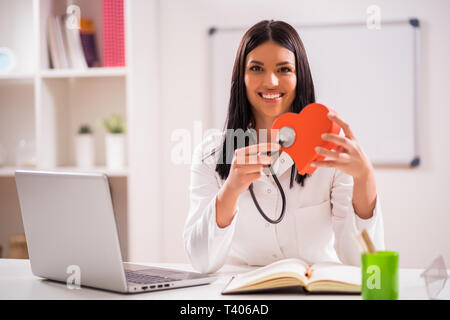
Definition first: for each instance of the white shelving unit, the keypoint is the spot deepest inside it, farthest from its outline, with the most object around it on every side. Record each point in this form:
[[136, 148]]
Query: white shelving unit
[[47, 106], [90, 73]]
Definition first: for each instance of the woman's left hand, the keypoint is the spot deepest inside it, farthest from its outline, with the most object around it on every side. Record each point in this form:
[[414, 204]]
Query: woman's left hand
[[347, 155]]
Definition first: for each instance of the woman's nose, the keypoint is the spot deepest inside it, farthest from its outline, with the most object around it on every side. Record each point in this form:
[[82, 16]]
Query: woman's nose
[[271, 79]]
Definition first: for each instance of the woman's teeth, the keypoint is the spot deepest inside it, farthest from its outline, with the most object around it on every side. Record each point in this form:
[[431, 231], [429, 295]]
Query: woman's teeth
[[271, 96]]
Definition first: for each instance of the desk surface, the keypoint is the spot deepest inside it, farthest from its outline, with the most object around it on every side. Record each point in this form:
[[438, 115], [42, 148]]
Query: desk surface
[[17, 282]]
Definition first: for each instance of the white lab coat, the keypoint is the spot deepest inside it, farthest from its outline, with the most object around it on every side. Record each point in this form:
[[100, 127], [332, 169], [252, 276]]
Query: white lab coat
[[319, 223]]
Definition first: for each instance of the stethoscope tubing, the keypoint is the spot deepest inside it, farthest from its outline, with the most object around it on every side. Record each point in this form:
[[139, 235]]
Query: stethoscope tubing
[[277, 182], [283, 199]]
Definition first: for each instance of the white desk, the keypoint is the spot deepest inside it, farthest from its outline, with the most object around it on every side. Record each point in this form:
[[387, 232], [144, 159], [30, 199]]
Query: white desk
[[17, 282]]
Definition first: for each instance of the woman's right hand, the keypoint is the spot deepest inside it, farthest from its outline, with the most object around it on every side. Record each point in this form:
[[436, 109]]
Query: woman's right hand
[[247, 164], [245, 168]]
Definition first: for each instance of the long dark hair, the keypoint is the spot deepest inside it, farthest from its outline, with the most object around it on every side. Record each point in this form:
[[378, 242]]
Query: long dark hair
[[240, 115]]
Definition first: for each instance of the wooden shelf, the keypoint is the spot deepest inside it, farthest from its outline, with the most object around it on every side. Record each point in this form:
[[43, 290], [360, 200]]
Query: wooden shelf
[[13, 77], [66, 74], [17, 75], [88, 73], [9, 171]]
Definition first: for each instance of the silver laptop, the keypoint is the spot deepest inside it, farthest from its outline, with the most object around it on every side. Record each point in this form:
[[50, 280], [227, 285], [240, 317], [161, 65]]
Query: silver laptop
[[72, 236]]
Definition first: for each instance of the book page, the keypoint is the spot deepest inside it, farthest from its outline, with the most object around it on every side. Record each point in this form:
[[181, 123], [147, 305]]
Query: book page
[[293, 266], [333, 271]]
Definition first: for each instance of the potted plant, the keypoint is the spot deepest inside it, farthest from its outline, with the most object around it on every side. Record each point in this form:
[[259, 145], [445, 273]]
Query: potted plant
[[85, 151], [115, 126]]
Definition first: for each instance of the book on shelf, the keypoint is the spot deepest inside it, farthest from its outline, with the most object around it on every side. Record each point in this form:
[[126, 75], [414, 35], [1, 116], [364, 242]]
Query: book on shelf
[[73, 41], [329, 277], [76, 48], [64, 44], [56, 44], [52, 44], [113, 33], [88, 42]]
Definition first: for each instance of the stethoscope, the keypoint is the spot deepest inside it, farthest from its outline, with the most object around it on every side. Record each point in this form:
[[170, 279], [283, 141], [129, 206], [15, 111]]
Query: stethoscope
[[286, 138]]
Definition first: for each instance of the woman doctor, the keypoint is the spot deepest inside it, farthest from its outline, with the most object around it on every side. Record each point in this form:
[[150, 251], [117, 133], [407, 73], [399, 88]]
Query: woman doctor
[[324, 210]]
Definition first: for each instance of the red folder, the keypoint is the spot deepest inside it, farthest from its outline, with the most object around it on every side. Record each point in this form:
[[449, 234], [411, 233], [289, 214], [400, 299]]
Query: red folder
[[113, 33]]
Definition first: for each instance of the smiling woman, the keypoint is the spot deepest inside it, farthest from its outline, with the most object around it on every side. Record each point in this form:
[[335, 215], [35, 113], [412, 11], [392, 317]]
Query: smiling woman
[[270, 84], [320, 214], [271, 76]]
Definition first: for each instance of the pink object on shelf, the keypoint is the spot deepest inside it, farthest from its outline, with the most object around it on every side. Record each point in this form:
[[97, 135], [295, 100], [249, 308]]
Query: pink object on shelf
[[113, 33]]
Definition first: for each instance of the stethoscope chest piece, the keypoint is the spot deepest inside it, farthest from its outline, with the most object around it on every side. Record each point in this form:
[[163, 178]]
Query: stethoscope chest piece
[[299, 134], [286, 136]]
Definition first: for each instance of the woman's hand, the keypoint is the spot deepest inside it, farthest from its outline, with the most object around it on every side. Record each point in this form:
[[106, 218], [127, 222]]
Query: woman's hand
[[245, 168], [348, 155], [247, 164]]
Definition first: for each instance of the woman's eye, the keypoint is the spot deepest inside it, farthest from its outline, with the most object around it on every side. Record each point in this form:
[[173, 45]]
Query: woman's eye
[[255, 68], [285, 70]]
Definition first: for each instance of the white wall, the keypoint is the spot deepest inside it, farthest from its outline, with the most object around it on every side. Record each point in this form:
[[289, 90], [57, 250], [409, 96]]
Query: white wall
[[414, 201], [144, 119]]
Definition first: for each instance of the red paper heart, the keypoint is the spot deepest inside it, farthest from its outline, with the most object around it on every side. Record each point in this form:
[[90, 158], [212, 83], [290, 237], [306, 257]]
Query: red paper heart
[[309, 125]]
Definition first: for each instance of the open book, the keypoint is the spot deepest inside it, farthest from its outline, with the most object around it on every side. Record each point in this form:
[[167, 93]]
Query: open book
[[319, 277]]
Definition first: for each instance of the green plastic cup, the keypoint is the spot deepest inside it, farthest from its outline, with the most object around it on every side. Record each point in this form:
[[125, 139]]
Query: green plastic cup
[[379, 275]]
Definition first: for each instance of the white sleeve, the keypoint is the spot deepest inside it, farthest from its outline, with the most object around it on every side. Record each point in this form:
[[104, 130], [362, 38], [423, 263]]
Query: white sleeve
[[206, 244], [347, 224]]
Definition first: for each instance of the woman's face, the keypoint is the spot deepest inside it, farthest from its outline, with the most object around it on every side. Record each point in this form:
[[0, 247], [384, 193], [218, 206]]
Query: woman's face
[[270, 80]]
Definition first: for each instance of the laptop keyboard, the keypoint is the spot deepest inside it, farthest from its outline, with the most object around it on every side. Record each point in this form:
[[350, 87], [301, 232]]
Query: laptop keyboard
[[141, 278]]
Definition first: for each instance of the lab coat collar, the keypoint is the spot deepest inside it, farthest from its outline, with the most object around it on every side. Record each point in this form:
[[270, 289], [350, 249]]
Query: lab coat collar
[[280, 166]]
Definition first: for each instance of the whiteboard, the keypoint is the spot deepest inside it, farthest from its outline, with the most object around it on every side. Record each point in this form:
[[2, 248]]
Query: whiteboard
[[368, 76]]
